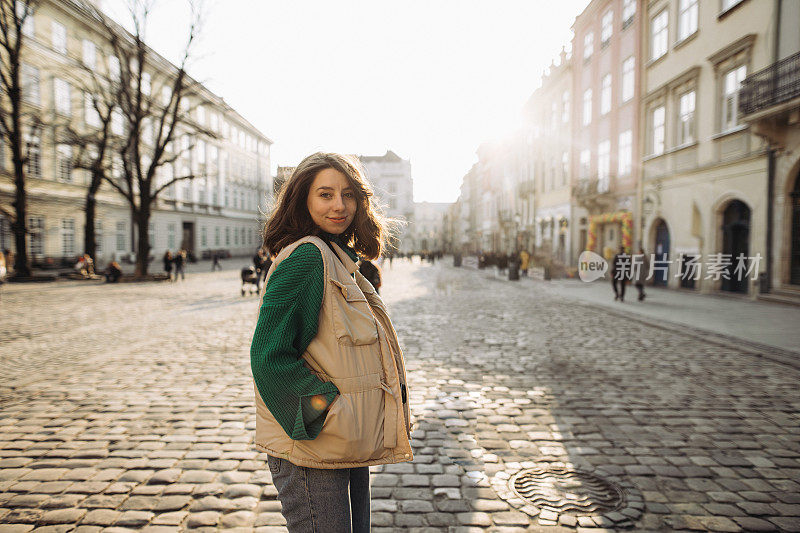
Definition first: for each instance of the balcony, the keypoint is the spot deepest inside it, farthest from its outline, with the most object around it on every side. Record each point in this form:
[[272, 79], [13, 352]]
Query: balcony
[[525, 188], [594, 194], [771, 91]]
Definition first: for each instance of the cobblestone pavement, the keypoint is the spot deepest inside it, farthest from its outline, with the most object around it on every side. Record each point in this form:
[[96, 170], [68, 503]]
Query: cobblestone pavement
[[130, 406]]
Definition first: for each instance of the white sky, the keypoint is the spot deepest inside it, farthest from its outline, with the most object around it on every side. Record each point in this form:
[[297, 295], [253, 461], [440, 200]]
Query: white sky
[[429, 79]]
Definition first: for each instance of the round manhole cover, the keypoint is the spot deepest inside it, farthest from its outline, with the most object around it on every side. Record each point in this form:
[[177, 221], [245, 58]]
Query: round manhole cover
[[566, 490]]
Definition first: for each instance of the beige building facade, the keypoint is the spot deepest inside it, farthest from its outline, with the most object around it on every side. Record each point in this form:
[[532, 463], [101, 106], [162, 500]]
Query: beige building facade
[[704, 186], [548, 115], [769, 101], [219, 209], [605, 125]]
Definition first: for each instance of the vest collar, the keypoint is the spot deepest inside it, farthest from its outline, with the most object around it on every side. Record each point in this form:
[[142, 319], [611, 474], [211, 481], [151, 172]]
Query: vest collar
[[348, 263]]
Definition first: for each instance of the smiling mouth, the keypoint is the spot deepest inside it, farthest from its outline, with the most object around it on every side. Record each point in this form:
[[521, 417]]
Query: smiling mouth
[[337, 220]]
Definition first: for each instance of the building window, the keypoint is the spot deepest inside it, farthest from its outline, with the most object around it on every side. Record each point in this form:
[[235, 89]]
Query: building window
[[625, 152], [564, 168], [686, 118], [658, 35], [151, 234], [30, 84], [727, 4], [36, 236], [117, 127], [98, 235], [227, 236], [64, 163], [33, 152], [204, 236], [586, 158], [121, 236], [59, 34], [588, 45], [603, 165], [628, 78], [732, 80], [113, 68], [61, 93], [117, 167], [89, 54], [146, 84], [687, 18], [565, 107], [605, 95], [628, 11], [658, 127], [587, 107], [608, 28], [91, 116], [216, 236], [171, 235], [25, 13]]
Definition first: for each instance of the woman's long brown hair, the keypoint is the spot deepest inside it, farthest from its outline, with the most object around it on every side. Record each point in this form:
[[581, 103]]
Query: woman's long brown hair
[[290, 220]]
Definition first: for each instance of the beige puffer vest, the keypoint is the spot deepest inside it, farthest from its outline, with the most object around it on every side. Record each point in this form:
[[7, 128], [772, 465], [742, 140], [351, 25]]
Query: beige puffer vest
[[356, 348]]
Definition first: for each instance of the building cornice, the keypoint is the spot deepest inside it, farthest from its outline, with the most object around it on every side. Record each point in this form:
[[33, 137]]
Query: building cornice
[[734, 48]]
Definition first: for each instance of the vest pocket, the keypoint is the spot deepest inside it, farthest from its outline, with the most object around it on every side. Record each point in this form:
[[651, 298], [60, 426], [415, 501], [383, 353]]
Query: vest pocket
[[353, 322], [353, 431]]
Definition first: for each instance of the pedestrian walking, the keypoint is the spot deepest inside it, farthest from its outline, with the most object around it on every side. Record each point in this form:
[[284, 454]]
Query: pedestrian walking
[[524, 260], [330, 380], [258, 263], [113, 272], [620, 273], [502, 263], [9, 261], [215, 261], [178, 261], [641, 273], [372, 272], [168, 264]]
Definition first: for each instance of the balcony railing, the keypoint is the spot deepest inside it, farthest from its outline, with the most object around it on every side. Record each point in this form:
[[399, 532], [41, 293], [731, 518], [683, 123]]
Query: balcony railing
[[591, 187], [776, 84]]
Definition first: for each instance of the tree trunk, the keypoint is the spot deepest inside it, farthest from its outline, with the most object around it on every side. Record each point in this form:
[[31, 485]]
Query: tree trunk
[[143, 246], [22, 264], [89, 237]]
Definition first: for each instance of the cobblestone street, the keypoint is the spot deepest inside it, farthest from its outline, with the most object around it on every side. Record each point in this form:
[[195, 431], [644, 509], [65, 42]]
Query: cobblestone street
[[131, 406]]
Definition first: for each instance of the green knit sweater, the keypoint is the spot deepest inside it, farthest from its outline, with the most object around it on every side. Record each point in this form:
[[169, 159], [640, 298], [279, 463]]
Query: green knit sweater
[[287, 323]]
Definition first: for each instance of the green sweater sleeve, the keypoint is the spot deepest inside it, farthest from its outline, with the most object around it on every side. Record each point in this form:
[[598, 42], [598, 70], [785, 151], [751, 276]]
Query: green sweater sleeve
[[287, 322]]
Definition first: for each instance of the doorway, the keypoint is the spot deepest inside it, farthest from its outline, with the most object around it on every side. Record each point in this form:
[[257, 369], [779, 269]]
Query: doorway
[[735, 241], [187, 241], [661, 252]]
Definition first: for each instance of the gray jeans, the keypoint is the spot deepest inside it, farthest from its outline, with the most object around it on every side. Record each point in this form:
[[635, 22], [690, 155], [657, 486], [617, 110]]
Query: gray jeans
[[316, 500]]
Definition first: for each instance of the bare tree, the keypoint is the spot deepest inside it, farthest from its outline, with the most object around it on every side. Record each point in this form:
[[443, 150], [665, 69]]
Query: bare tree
[[95, 142], [14, 120], [152, 95]]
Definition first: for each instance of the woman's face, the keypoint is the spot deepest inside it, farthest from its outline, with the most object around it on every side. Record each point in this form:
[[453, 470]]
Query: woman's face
[[331, 201]]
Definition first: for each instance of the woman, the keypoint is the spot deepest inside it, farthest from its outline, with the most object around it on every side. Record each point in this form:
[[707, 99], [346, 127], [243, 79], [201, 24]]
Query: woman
[[330, 381], [168, 264]]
